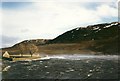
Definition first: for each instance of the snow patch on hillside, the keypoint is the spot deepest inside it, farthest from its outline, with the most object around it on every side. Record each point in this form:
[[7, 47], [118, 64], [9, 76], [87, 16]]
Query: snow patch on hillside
[[96, 28], [110, 25], [77, 28]]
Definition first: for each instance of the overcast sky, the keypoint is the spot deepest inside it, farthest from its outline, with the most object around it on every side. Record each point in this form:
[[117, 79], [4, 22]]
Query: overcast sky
[[46, 19]]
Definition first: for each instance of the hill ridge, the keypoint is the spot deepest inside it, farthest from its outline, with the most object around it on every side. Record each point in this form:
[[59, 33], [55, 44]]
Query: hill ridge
[[98, 38]]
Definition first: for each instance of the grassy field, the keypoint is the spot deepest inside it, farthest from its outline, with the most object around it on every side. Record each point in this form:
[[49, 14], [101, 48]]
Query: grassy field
[[25, 58], [73, 48], [59, 48]]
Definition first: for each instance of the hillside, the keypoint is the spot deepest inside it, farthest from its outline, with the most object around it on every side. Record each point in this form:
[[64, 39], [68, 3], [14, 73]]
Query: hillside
[[91, 39], [93, 32], [24, 46], [104, 37]]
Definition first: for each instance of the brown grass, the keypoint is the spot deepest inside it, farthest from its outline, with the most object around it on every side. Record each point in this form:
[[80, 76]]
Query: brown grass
[[25, 59], [72, 48], [60, 48]]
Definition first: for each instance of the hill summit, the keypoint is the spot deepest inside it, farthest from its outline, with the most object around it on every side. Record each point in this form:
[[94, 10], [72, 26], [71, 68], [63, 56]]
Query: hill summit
[[92, 32]]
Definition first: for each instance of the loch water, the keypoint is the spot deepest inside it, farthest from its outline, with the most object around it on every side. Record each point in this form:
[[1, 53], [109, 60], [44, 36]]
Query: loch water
[[64, 67]]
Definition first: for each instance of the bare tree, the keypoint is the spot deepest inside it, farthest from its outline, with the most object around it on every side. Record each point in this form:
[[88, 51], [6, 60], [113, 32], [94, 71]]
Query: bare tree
[[32, 49], [22, 48], [27, 48]]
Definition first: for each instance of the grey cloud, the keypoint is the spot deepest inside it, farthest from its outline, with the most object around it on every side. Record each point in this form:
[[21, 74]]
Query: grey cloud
[[25, 30], [7, 41]]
